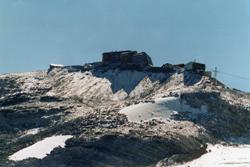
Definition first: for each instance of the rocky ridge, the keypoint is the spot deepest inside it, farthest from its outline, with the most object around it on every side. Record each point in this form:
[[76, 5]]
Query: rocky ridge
[[86, 104]]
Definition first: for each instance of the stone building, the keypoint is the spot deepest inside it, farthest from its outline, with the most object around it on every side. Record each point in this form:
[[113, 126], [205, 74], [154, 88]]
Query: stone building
[[127, 58], [195, 67]]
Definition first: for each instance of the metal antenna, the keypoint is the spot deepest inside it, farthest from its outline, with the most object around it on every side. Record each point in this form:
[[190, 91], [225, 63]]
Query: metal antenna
[[215, 74]]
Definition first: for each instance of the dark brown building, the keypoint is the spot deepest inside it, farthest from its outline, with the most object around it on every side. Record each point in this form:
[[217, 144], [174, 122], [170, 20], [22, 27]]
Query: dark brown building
[[195, 67], [127, 57]]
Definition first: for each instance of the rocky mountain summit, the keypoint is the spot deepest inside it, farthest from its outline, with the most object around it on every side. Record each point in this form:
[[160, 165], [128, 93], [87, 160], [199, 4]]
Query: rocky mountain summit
[[122, 111]]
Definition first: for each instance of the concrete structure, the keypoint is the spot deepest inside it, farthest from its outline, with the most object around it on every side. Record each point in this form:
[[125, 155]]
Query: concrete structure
[[53, 66], [195, 67], [127, 58], [73, 68]]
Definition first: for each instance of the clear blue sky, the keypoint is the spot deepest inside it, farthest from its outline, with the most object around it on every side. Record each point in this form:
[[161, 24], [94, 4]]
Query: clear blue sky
[[35, 33]]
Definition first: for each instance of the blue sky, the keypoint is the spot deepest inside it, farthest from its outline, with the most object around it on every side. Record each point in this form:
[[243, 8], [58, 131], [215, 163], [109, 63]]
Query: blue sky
[[35, 33]]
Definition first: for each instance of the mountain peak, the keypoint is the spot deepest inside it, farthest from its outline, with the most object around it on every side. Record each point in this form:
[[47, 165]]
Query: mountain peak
[[115, 110]]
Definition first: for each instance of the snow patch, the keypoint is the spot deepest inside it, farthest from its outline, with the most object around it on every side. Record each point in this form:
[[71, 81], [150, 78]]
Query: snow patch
[[162, 109], [40, 149], [223, 156], [33, 131]]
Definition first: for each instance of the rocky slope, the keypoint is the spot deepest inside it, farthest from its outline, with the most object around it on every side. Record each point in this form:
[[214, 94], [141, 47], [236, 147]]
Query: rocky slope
[[87, 104]]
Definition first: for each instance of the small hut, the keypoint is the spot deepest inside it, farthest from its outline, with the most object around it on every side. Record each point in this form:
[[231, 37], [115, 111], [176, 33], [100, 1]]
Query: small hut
[[195, 67]]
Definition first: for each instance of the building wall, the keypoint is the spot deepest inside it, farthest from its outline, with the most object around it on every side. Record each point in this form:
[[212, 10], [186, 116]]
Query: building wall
[[127, 57], [196, 67]]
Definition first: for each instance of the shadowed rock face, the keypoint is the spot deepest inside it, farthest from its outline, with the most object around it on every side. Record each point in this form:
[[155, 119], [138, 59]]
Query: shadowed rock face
[[24, 119], [117, 150], [128, 80], [191, 78], [223, 119], [8, 85]]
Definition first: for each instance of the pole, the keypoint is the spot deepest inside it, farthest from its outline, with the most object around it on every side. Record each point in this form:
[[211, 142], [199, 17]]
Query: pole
[[215, 74]]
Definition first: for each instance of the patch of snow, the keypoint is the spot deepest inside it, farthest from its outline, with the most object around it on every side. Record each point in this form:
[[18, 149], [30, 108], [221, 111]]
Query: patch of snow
[[50, 94], [40, 149], [142, 87], [56, 65], [162, 109], [31, 131], [223, 156], [121, 94]]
